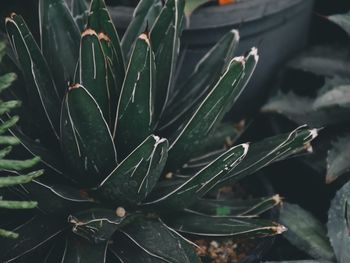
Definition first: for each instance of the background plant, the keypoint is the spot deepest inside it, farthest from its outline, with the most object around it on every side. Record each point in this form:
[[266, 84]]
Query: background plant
[[114, 187], [9, 168]]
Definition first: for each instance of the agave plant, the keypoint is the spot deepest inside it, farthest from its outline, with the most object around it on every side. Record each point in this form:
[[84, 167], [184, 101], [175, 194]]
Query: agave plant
[[329, 107], [9, 166], [128, 175]]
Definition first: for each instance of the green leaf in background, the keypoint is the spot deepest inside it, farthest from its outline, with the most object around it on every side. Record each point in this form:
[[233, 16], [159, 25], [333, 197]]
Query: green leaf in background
[[338, 158], [144, 16], [86, 139], [323, 61], [165, 35], [202, 182], [339, 96], [193, 5], [93, 70], [338, 224], [305, 232], [20, 179], [43, 94], [203, 225], [135, 177], [6, 80], [342, 20], [156, 239], [60, 38], [135, 114]]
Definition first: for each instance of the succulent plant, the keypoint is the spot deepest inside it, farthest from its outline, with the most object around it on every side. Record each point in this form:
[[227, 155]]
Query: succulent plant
[[129, 152], [327, 107], [10, 169], [324, 244]]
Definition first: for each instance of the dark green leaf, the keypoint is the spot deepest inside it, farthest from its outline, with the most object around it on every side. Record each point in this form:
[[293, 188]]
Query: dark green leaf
[[128, 252], [235, 207], [6, 107], [157, 240], [96, 225], [40, 86], [5, 125], [211, 111], [100, 21], [135, 112], [60, 38], [93, 70], [192, 223], [78, 250], [271, 150], [86, 139], [165, 41], [32, 234], [198, 185], [305, 232], [338, 224], [57, 199], [201, 81], [144, 16], [135, 177]]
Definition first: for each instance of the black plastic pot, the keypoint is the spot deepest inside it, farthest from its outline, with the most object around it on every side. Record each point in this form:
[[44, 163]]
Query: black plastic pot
[[279, 28]]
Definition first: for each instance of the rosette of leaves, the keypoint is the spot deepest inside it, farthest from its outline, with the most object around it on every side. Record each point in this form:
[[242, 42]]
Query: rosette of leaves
[[10, 169], [327, 107], [130, 154], [326, 244]]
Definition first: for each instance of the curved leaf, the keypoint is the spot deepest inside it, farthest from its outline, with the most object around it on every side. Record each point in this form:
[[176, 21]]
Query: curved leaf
[[60, 38], [234, 207], [165, 35], [135, 177], [93, 70], [202, 182], [203, 225], [270, 150], [306, 232], [135, 118], [20, 179], [342, 20], [86, 139], [338, 159], [6, 80], [144, 16], [40, 86], [338, 224]]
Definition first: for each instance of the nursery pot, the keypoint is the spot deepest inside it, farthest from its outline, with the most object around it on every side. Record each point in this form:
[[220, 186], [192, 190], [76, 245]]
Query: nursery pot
[[278, 28]]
